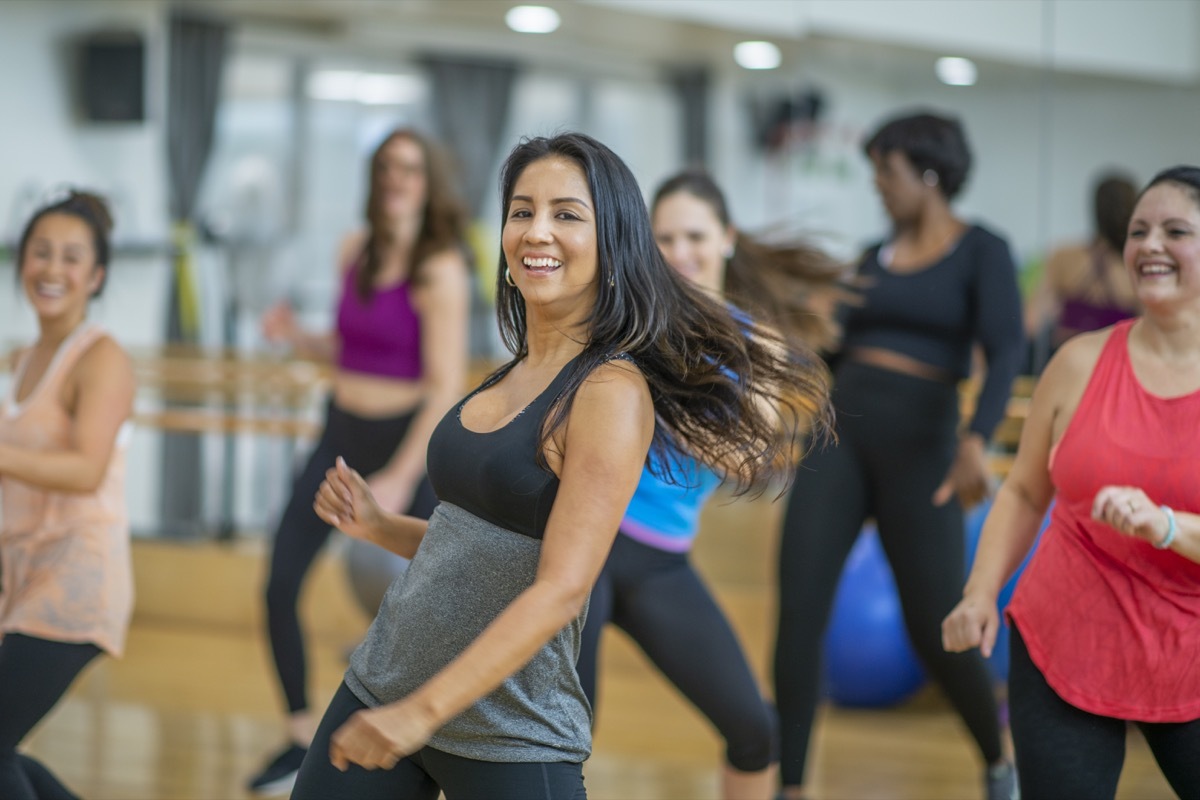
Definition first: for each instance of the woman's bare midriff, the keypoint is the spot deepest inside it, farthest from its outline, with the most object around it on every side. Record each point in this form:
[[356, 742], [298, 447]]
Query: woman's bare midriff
[[898, 362], [374, 397]]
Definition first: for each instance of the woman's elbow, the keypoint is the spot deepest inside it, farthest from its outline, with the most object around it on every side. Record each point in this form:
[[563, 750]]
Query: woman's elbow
[[568, 600]]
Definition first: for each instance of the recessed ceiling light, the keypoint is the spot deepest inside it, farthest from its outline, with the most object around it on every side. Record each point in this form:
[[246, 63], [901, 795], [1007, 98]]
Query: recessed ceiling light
[[756, 55], [368, 88], [532, 19], [956, 71]]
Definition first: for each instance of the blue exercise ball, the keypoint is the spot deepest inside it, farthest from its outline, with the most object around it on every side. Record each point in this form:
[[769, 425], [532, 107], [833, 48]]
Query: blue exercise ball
[[869, 661], [998, 661], [371, 570]]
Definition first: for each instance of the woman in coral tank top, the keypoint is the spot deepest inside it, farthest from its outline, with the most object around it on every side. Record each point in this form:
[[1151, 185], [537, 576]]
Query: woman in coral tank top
[[66, 590], [1106, 617]]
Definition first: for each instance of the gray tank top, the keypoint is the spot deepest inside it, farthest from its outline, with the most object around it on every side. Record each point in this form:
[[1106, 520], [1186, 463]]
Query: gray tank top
[[480, 551]]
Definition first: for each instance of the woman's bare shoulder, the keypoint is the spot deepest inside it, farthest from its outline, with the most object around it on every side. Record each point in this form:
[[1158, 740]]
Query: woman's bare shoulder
[[1072, 365]]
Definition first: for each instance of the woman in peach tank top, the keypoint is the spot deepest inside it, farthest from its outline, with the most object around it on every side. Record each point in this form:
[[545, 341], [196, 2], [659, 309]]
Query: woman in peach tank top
[[1106, 617], [66, 589]]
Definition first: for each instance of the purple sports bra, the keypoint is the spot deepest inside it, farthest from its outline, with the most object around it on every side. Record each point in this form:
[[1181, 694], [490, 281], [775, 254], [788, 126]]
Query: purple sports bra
[[1080, 314], [381, 336]]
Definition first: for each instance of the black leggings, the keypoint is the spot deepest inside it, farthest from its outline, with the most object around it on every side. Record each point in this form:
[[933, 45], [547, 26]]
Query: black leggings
[[897, 441], [423, 774], [34, 674], [1065, 752], [367, 445], [659, 600]]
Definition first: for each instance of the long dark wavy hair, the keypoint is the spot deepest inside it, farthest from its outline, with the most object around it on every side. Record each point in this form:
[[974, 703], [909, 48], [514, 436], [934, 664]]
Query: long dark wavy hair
[[443, 226], [771, 280], [1112, 206], [726, 391], [86, 206]]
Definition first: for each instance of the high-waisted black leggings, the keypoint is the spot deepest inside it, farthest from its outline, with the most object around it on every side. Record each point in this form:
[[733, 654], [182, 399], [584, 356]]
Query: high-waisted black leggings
[[425, 773], [1064, 751], [898, 438], [659, 600], [34, 674], [367, 445]]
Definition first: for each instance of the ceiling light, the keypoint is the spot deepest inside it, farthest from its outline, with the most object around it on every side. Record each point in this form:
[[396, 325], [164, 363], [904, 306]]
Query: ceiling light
[[956, 71], [532, 19], [368, 88], [756, 55]]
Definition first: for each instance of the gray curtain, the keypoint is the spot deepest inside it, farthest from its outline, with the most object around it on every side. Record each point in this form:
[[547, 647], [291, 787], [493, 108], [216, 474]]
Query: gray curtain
[[470, 109], [197, 47], [691, 85]]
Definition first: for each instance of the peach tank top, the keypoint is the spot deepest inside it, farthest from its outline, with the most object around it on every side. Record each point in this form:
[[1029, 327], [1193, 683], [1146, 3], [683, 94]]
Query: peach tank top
[[64, 557]]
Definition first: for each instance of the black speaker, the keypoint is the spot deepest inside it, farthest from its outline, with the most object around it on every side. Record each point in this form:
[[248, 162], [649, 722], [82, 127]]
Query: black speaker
[[112, 77]]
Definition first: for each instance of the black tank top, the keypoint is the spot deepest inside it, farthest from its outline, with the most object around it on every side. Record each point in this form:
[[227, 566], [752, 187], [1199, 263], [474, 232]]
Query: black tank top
[[495, 475]]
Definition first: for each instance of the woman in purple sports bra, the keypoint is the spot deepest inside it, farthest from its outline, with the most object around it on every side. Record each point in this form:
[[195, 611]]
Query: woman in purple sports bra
[[1085, 286], [400, 351]]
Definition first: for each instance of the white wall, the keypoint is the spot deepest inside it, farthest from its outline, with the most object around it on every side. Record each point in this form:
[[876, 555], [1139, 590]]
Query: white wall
[[1038, 142], [1038, 139], [45, 146]]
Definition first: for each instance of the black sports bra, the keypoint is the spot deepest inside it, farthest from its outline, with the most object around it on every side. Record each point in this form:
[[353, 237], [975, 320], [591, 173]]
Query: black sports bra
[[496, 475]]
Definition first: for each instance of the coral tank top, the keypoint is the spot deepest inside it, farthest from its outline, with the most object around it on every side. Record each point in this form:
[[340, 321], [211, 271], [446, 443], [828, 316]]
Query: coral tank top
[[65, 557], [1113, 623]]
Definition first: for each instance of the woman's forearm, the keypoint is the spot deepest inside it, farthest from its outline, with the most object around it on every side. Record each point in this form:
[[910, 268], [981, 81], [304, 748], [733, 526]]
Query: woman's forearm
[[314, 346], [1186, 541], [55, 471], [399, 533], [1008, 534]]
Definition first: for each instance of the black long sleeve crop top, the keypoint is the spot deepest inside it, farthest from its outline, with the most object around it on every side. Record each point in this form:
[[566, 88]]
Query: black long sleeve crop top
[[936, 314]]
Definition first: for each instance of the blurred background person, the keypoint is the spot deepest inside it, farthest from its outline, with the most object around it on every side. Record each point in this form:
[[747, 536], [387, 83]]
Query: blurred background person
[[66, 585], [1084, 287], [400, 356], [648, 587], [937, 288], [1106, 616]]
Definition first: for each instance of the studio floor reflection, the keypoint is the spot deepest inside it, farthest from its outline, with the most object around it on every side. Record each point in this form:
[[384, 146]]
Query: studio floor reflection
[[190, 711]]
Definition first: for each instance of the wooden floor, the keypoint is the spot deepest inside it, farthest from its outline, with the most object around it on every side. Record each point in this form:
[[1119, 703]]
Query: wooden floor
[[191, 710]]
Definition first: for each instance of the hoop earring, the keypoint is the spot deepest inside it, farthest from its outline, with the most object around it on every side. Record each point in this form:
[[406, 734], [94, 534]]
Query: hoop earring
[[508, 277]]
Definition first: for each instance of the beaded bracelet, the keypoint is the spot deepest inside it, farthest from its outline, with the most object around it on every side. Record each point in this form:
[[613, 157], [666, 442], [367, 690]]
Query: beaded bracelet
[[1171, 529]]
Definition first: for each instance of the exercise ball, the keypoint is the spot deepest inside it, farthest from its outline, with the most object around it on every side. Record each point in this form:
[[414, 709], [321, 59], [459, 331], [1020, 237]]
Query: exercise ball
[[868, 659], [998, 661], [371, 570]]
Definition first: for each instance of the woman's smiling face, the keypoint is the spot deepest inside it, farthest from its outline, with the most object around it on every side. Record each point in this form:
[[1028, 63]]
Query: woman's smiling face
[[692, 239], [59, 272], [549, 238], [1162, 250]]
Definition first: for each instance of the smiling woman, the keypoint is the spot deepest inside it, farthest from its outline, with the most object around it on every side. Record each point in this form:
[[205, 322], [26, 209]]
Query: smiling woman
[[550, 238], [66, 589], [1112, 437], [613, 356]]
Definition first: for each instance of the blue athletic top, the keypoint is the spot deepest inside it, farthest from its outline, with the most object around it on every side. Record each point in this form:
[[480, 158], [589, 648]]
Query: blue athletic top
[[666, 515]]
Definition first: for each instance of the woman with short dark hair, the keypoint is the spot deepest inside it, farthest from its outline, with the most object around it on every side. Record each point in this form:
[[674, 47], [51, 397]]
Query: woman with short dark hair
[[933, 291]]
